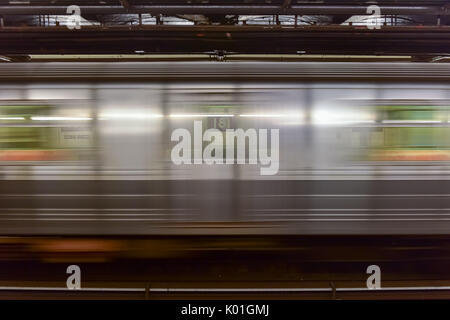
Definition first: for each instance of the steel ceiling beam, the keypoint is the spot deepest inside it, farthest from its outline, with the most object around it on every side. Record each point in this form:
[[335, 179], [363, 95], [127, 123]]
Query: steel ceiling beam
[[231, 39], [227, 9]]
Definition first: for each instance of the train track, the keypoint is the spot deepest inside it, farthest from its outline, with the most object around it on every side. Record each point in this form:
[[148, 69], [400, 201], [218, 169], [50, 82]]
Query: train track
[[156, 293]]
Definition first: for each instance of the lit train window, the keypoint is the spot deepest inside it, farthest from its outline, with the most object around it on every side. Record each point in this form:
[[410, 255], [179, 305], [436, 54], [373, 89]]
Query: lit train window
[[32, 131], [416, 132]]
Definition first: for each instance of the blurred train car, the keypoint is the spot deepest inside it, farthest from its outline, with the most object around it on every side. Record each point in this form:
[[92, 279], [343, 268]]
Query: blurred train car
[[85, 149]]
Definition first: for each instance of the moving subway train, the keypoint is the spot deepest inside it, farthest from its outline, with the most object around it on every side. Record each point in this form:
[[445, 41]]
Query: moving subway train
[[88, 148]]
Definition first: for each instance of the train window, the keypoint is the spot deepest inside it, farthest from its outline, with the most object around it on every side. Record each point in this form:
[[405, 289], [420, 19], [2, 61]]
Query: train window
[[40, 131], [412, 132], [15, 133]]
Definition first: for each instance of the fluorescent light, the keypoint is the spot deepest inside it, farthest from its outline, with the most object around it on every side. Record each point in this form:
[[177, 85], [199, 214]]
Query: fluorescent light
[[264, 115], [357, 121], [128, 116], [61, 118], [335, 117], [343, 122], [200, 115]]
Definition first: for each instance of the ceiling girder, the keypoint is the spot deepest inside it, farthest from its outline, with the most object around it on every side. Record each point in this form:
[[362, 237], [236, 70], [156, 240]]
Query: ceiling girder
[[227, 9]]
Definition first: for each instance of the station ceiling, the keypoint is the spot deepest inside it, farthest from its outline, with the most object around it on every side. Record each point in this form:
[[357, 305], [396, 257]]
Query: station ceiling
[[414, 27]]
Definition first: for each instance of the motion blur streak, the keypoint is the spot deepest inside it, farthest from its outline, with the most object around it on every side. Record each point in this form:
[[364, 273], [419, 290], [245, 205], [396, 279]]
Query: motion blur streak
[[85, 149]]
